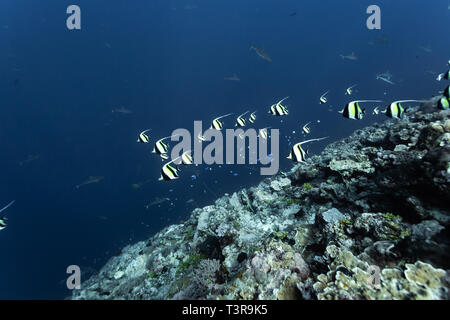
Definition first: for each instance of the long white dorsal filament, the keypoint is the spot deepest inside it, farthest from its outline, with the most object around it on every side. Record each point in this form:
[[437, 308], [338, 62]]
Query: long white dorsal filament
[[9, 205], [226, 115], [402, 101], [243, 114], [282, 100], [311, 140], [175, 135], [368, 101]]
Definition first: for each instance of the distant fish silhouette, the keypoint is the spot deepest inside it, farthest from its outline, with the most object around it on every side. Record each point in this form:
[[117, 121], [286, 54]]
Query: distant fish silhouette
[[90, 180], [351, 56], [426, 49], [293, 14], [29, 159], [122, 110], [261, 53], [384, 79], [232, 78]]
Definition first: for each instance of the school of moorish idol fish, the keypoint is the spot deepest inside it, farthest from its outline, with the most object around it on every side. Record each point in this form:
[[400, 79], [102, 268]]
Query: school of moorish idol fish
[[352, 110]]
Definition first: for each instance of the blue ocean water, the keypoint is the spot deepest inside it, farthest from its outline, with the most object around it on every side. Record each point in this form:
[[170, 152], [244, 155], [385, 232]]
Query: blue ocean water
[[166, 61]]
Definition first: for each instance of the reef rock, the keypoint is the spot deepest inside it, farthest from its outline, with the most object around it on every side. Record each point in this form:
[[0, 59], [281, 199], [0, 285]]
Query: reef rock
[[368, 218]]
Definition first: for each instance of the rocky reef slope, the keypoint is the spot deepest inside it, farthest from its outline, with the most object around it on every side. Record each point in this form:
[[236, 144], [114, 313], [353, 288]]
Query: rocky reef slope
[[368, 218]]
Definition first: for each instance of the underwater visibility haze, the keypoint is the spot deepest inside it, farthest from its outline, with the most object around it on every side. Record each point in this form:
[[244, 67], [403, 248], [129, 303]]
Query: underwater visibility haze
[[82, 112]]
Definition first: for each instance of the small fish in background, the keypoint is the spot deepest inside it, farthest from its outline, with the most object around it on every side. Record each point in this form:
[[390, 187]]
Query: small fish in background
[[351, 57], [140, 184], [293, 14], [30, 158], [168, 172], [107, 45], [395, 110], [353, 111], [445, 75], [156, 201], [90, 180], [252, 117], [427, 49], [186, 158], [278, 109], [376, 111], [349, 90], [234, 77], [297, 153], [263, 133], [217, 124], [4, 220], [240, 121], [143, 137], [306, 129], [261, 53], [201, 138], [379, 77], [443, 103], [161, 148], [122, 110], [323, 98]]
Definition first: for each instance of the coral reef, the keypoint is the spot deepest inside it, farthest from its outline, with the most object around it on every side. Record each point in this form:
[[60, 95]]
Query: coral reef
[[368, 218]]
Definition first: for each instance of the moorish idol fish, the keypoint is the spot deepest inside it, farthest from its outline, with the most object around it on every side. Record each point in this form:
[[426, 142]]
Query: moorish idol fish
[[143, 137], [217, 124], [278, 109], [352, 110], [395, 109], [297, 153], [323, 98], [443, 103], [200, 137], [263, 133], [186, 158], [306, 129], [376, 111], [445, 75], [161, 147], [3, 220], [168, 172], [240, 121], [349, 90], [252, 117]]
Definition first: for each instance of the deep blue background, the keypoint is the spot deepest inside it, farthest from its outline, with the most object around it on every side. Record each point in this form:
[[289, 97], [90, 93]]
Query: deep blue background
[[166, 62]]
